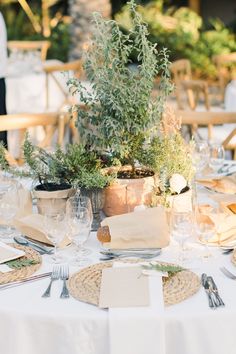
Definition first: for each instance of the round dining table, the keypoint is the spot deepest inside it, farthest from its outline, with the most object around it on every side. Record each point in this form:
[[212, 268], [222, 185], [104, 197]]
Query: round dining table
[[30, 323]]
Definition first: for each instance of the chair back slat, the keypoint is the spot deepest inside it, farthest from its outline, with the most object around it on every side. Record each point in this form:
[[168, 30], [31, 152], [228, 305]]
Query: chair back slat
[[42, 46], [51, 122]]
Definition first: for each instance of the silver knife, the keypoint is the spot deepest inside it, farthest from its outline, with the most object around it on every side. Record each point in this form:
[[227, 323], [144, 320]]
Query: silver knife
[[146, 250], [26, 280], [215, 290]]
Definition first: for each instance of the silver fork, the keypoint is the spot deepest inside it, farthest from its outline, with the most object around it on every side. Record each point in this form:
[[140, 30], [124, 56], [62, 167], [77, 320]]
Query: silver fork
[[64, 276], [55, 276], [228, 273]]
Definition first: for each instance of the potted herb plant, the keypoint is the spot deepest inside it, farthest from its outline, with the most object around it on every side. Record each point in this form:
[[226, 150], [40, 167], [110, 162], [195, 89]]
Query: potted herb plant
[[58, 174], [122, 115], [170, 157]]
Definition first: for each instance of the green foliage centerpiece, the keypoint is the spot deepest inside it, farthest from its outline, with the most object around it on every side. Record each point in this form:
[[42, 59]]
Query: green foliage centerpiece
[[123, 118], [122, 114]]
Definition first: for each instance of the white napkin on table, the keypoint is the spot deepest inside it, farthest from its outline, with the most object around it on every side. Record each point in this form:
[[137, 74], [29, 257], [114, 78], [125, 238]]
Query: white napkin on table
[[139, 330]]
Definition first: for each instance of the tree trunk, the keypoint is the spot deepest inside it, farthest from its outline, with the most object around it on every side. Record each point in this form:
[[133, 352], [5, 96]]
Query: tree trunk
[[80, 29]]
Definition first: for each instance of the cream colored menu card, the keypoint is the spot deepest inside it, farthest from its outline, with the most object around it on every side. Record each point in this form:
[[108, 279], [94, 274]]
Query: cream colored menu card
[[123, 287], [8, 253]]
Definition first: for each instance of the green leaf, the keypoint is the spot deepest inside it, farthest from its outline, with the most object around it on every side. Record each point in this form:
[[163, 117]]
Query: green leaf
[[20, 263], [170, 269]]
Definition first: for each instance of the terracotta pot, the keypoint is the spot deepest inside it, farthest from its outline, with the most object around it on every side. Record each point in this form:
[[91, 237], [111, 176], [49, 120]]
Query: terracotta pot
[[125, 194], [48, 200]]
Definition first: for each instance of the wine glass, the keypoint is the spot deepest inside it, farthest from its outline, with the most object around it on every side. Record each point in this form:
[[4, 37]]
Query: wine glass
[[181, 230], [200, 156], [217, 156], [55, 229], [9, 205], [205, 228], [79, 221], [76, 202]]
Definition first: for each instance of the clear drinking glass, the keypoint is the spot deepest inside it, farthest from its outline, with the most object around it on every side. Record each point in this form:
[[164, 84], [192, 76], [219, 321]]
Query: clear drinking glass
[[78, 202], [217, 156], [181, 230], [55, 226], [205, 228], [200, 156], [9, 206], [79, 221]]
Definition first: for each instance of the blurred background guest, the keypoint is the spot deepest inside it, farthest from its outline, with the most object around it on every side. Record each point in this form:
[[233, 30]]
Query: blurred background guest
[[3, 67]]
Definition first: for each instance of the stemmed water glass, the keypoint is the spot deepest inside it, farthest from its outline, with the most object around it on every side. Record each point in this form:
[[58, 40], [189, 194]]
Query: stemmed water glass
[[181, 230], [55, 226], [9, 205], [217, 156], [79, 221], [200, 156], [77, 202], [204, 227]]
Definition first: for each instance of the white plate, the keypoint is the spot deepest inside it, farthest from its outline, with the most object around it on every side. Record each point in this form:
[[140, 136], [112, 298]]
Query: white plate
[[229, 168]]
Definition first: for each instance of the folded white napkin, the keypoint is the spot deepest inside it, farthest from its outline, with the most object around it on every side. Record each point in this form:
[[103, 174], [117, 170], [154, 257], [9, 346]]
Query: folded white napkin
[[139, 330]]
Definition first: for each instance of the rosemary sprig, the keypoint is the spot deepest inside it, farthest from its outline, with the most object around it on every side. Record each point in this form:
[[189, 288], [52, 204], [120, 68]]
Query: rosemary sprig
[[170, 269], [19, 263]]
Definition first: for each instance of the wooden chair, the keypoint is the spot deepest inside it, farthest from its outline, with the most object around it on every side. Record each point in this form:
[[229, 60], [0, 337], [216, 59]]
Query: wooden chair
[[182, 77], [42, 46], [194, 118], [75, 67], [51, 121], [224, 64]]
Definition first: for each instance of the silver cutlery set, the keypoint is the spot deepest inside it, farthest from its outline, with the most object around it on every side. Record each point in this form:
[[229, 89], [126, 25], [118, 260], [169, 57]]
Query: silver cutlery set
[[145, 253], [62, 273], [58, 272], [37, 246], [212, 292]]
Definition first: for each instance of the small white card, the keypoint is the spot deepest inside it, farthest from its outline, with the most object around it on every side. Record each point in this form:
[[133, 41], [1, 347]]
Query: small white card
[[123, 287], [8, 253]]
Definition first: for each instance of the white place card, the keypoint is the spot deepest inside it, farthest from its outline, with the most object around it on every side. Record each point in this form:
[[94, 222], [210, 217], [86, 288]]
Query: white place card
[[123, 287], [8, 253]]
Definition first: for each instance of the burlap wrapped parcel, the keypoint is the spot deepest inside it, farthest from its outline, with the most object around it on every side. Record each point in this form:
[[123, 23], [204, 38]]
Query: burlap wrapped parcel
[[141, 229]]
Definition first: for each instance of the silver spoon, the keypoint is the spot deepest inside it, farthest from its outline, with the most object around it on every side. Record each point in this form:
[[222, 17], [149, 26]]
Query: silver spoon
[[22, 241]]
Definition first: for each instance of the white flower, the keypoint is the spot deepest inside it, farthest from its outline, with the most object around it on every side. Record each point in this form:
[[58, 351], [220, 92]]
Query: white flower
[[177, 183]]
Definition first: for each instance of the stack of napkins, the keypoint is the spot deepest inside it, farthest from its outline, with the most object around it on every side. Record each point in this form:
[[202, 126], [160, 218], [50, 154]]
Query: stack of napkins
[[141, 229]]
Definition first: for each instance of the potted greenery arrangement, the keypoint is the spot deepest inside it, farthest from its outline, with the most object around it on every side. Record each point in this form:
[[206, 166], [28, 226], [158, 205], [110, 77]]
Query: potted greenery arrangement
[[58, 174], [122, 115], [170, 157]]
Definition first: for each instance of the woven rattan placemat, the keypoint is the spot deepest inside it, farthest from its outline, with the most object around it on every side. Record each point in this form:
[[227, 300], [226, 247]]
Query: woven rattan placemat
[[85, 285], [23, 272]]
